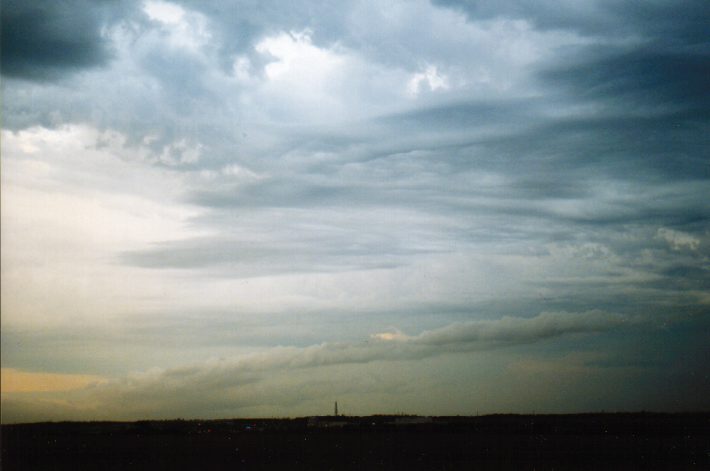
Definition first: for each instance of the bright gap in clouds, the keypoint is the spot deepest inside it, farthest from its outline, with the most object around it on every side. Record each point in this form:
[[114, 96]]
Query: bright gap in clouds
[[179, 28], [296, 58], [164, 12], [430, 79], [72, 198]]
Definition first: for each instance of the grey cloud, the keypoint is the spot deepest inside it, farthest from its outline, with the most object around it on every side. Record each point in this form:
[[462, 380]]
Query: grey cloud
[[511, 205], [582, 187], [43, 40], [209, 333], [239, 24], [242, 259], [216, 386], [555, 158], [498, 114], [511, 329], [599, 17], [676, 78], [329, 240], [464, 336], [589, 17], [531, 157], [641, 104], [637, 359], [361, 26], [682, 277]]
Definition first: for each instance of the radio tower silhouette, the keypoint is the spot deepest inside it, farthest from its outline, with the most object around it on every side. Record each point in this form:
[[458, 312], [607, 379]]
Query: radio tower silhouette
[[336, 408]]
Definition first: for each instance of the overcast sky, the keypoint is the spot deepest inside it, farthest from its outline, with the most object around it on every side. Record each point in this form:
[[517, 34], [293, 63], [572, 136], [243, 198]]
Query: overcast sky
[[255, 208]]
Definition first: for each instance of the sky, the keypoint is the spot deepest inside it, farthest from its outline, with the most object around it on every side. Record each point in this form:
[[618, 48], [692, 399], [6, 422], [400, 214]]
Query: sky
[[248, 208]]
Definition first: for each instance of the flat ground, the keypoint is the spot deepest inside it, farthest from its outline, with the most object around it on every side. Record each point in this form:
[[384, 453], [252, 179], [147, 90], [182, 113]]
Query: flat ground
[[540, 442]]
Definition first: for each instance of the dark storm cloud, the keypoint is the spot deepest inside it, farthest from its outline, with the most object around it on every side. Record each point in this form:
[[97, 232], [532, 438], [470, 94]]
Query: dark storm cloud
[[650, 89], [638, 150], [687, 21], [43, 40], [676, 79]]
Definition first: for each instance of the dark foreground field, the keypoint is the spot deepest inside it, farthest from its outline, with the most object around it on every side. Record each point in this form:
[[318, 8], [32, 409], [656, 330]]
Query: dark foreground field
[[540, 442]]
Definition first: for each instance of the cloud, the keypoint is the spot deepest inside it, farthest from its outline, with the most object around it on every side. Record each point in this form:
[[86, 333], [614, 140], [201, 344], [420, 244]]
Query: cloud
[[678, 240], [195, 179], [464, 336], [391, 335], [46, 40], [200, 388], [599, 17], [661, 77], [513, 330]]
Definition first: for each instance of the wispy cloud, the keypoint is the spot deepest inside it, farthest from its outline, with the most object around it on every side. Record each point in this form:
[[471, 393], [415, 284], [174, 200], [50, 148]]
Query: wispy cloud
[[177, 391]]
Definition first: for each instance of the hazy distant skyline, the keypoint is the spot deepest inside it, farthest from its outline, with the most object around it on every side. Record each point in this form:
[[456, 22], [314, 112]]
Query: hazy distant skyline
[[254, 208]]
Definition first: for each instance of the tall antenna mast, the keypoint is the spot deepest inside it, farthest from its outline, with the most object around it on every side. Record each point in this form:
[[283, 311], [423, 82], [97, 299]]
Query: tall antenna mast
[[336, 408]]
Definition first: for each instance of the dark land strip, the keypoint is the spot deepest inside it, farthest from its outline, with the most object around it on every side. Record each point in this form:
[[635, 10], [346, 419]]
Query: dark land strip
[[619, 441]]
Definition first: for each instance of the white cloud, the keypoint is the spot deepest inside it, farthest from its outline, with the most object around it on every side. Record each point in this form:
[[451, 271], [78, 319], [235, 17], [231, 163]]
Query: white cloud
[[391, 335], [429, 78], [678, 240], [297, 59], [183, 29], [164, 12], [239, 172], [307, 83]]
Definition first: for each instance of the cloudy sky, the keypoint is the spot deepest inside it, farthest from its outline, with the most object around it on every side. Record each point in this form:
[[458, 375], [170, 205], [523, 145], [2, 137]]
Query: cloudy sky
[[255, 208]]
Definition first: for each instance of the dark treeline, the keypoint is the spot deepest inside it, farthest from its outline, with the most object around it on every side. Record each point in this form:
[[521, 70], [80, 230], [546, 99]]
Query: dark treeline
[[505, 441]]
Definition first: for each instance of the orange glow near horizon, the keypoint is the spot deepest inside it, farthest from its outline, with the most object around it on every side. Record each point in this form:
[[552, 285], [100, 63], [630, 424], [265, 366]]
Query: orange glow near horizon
[[13, 381]]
